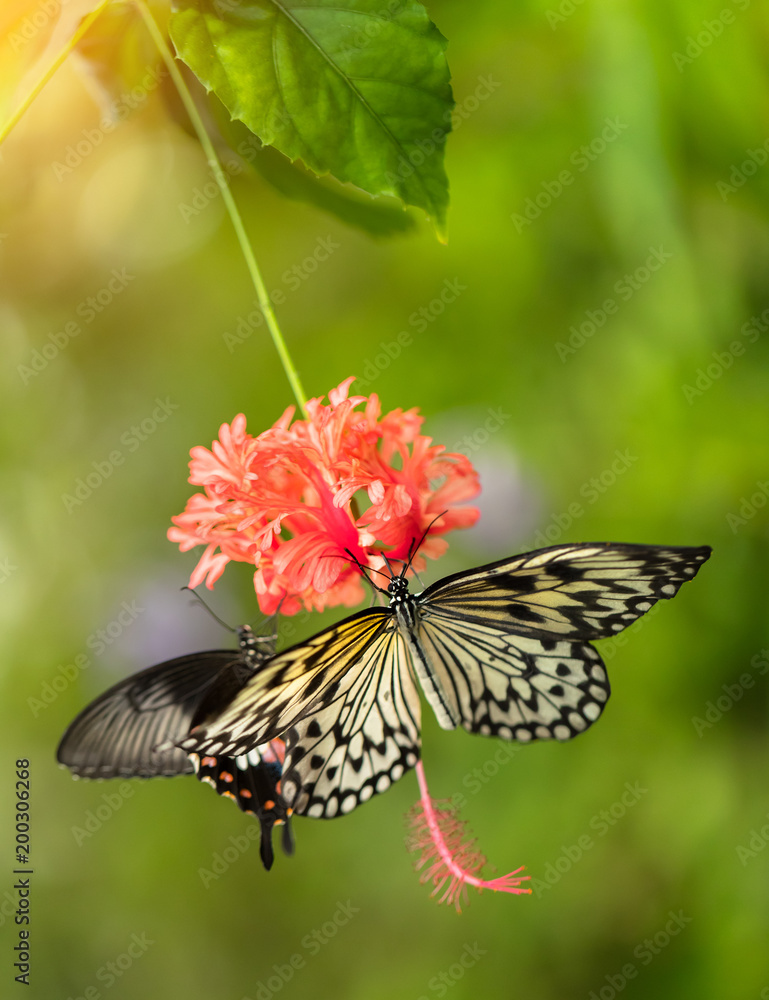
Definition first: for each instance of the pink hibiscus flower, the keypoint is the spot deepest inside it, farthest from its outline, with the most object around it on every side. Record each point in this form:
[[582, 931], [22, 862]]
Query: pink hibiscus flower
[[299, 498]]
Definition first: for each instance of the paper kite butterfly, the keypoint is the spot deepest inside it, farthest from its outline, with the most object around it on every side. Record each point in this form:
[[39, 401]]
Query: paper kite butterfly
[[118, 734], [502, 650]]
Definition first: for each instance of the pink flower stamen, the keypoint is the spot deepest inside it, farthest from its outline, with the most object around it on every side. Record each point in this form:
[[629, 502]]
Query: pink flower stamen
[[449, 854]]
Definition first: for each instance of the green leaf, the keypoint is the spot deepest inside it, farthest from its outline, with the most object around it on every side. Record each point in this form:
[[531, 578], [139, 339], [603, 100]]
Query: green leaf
[[356, 88], [377, 218]]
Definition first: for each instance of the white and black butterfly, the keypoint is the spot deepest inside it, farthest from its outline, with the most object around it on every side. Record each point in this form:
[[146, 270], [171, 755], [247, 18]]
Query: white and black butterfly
[[118, 734], [502, 650]]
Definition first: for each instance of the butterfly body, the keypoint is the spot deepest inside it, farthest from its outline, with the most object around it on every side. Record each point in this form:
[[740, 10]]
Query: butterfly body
[[130, 731], [503, 650], [407, 619]]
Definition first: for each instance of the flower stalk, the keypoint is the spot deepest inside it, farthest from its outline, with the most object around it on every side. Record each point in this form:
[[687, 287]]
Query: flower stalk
[[229, 202], [71, 44], [449, 855]]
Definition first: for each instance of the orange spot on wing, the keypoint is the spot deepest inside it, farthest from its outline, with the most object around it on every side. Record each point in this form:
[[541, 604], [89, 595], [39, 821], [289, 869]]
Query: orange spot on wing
[[226, 776], [245, 793], [208, 762], [269, 804]]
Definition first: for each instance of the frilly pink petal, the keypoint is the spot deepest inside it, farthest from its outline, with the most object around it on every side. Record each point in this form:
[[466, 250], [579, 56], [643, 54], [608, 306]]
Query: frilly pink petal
[[292, 501]]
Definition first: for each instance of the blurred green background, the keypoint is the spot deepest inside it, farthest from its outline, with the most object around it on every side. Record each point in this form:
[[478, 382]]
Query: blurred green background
[[670, 179]]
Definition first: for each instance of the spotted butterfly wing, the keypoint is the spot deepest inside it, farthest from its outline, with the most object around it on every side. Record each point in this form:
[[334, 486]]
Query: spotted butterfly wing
[[364, 735], [365, 731], [119, 733], [501, 650], [505, 647], [253, 782]]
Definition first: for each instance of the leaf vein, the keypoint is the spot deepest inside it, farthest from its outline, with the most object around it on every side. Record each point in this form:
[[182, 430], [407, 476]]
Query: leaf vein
[[287, 12]]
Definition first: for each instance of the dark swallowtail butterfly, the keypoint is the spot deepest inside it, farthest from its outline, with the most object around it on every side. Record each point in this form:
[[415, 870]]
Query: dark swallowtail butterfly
[[118, 734]]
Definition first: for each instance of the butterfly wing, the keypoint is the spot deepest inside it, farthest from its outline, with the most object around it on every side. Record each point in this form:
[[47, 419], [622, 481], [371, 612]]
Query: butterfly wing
[[504, 644], [253, 783], [514, 687], [294, 683], [588, 591], [116, 735], [350, 703], [357, 745]]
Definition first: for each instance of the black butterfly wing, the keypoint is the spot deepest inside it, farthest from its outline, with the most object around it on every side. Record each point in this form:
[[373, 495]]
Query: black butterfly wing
[[116, 735], [131, 729], [253, 782], [582, 592]]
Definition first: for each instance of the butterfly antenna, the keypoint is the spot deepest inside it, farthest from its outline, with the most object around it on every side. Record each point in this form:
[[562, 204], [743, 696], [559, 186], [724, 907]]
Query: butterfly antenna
[[212, 613], [365, 570], [413, 549]]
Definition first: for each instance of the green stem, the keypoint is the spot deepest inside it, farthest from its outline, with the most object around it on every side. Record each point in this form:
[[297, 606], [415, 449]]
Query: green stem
[[232, 209], [83, 27]]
